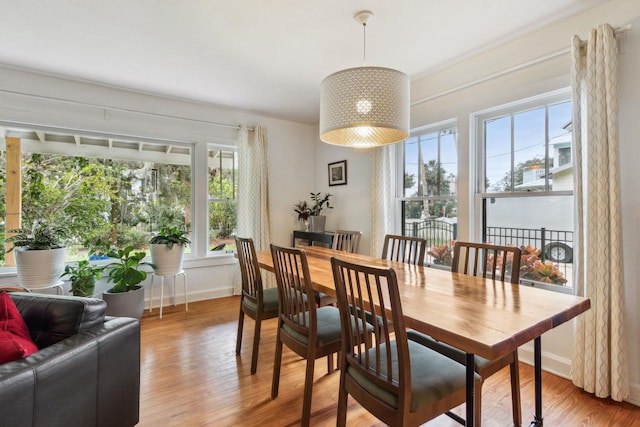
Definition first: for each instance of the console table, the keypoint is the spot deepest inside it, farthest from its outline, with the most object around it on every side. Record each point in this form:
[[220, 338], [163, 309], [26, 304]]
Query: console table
[[311, 237]]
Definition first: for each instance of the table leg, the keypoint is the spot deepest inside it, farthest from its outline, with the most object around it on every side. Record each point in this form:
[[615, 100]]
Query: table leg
[[471, 362], [537, 369]]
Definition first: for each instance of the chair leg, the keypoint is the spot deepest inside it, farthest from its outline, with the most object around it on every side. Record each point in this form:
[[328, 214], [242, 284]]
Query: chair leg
[[277, 361], [515, 391], [239, 336], [256, 345], [477, 404], [342, 402], [330, 367], [308, 390]]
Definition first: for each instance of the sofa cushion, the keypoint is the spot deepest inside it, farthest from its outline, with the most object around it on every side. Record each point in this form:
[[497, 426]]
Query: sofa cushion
[[15, 339], [57, 317]]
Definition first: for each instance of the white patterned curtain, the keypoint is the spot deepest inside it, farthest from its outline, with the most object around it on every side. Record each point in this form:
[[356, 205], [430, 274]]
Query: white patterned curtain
[[253, 189], [382, 194], [599, 362]]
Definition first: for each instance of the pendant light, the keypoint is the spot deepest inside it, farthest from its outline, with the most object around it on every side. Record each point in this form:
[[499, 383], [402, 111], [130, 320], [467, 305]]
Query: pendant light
[[364, 106]]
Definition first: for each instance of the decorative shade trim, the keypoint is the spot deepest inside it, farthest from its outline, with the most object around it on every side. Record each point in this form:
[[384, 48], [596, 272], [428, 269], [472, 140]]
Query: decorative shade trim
[[364, 107]]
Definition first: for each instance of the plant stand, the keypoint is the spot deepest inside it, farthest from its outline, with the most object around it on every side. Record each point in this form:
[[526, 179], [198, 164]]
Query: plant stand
[[162, 276], [57, 286]]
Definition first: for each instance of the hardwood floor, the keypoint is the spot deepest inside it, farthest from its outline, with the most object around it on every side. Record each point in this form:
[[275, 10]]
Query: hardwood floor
[[191, 376]]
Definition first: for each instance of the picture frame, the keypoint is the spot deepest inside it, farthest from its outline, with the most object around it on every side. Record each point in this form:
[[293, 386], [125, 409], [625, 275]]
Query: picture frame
[[338, 173]]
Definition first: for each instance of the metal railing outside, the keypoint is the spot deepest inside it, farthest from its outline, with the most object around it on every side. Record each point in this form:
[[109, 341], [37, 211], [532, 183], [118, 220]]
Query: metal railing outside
[[553, 245]]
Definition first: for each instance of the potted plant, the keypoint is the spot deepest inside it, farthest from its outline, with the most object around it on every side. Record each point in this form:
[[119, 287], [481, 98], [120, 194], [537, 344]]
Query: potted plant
[[39, 254], [316, 219], [126, 298], [83, 277], [532, 267], [303, 210], [442, 254], [167, 249]]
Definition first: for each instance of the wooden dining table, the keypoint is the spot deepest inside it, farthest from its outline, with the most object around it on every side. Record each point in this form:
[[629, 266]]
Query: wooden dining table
[[480, 316]]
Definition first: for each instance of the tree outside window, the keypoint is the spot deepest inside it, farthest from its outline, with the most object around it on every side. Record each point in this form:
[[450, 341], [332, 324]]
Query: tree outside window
[[429, 194], [106, 201]]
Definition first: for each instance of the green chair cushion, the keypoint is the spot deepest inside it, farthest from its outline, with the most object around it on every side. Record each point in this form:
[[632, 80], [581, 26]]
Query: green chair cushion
[[328, 318], [433, 376], [269, 300], [445, 349]]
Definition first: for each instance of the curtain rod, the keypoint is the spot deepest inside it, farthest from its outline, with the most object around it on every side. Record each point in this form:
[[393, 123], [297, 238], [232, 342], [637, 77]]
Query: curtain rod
[[617, 31], [127, 110]]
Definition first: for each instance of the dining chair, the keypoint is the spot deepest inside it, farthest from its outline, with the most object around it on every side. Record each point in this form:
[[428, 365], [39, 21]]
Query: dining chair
[[310, 331], [410, 250], [257, 303], [347, 241], [398, 380], [500, 263], [404, 249]]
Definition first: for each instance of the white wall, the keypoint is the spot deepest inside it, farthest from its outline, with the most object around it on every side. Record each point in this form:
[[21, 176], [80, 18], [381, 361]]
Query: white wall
[[352, 202], [447, 96]]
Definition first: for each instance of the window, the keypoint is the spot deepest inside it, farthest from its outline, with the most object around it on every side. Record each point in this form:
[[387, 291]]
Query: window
[[107, 191], [429, 194], [525, 186], [223, 187]]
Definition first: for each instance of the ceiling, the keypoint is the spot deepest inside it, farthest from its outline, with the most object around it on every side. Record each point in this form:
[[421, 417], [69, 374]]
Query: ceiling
[[264, 56]]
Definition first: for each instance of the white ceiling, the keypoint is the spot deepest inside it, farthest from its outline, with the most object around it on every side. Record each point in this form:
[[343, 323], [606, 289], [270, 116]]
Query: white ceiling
[[265, 56]]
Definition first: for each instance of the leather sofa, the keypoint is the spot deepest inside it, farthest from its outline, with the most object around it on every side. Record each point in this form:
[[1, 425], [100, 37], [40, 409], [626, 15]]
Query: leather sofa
[[86, 372]]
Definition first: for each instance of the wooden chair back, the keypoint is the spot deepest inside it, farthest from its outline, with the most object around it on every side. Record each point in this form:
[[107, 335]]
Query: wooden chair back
[[347, 241], [257, 303], [410, 250], [249, 270], [297, 311], [487, 260], [363, 292]]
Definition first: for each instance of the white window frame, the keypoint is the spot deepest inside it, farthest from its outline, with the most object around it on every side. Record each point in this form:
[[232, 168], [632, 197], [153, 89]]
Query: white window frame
[[477, 165], [210, 199], [400, 197]]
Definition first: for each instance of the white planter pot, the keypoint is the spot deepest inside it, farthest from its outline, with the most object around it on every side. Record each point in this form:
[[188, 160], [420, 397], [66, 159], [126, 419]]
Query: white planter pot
[[125, 304], [167, 261], [39, 269]]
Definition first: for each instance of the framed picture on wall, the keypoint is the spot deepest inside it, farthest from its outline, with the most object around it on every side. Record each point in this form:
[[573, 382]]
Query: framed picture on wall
[[338, 173]]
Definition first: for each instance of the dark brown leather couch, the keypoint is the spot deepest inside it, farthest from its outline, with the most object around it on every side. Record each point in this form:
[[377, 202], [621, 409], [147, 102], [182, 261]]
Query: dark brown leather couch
[[86, 373]]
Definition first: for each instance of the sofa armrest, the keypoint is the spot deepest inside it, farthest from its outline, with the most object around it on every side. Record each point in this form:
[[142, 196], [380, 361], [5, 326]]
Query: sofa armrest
[[52, 318], [91, 378]]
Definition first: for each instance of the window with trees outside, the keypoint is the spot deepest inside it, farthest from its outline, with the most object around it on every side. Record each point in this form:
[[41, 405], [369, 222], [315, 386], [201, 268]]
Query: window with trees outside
[[429, 194], [104, 191], [524, 193], [223, 187]]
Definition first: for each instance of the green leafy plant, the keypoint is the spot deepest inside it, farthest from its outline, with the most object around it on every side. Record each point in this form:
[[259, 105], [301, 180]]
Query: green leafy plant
[[41, 236], [302, 209], [171, 236], [320, 203], [83, 277], [126, 273]]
